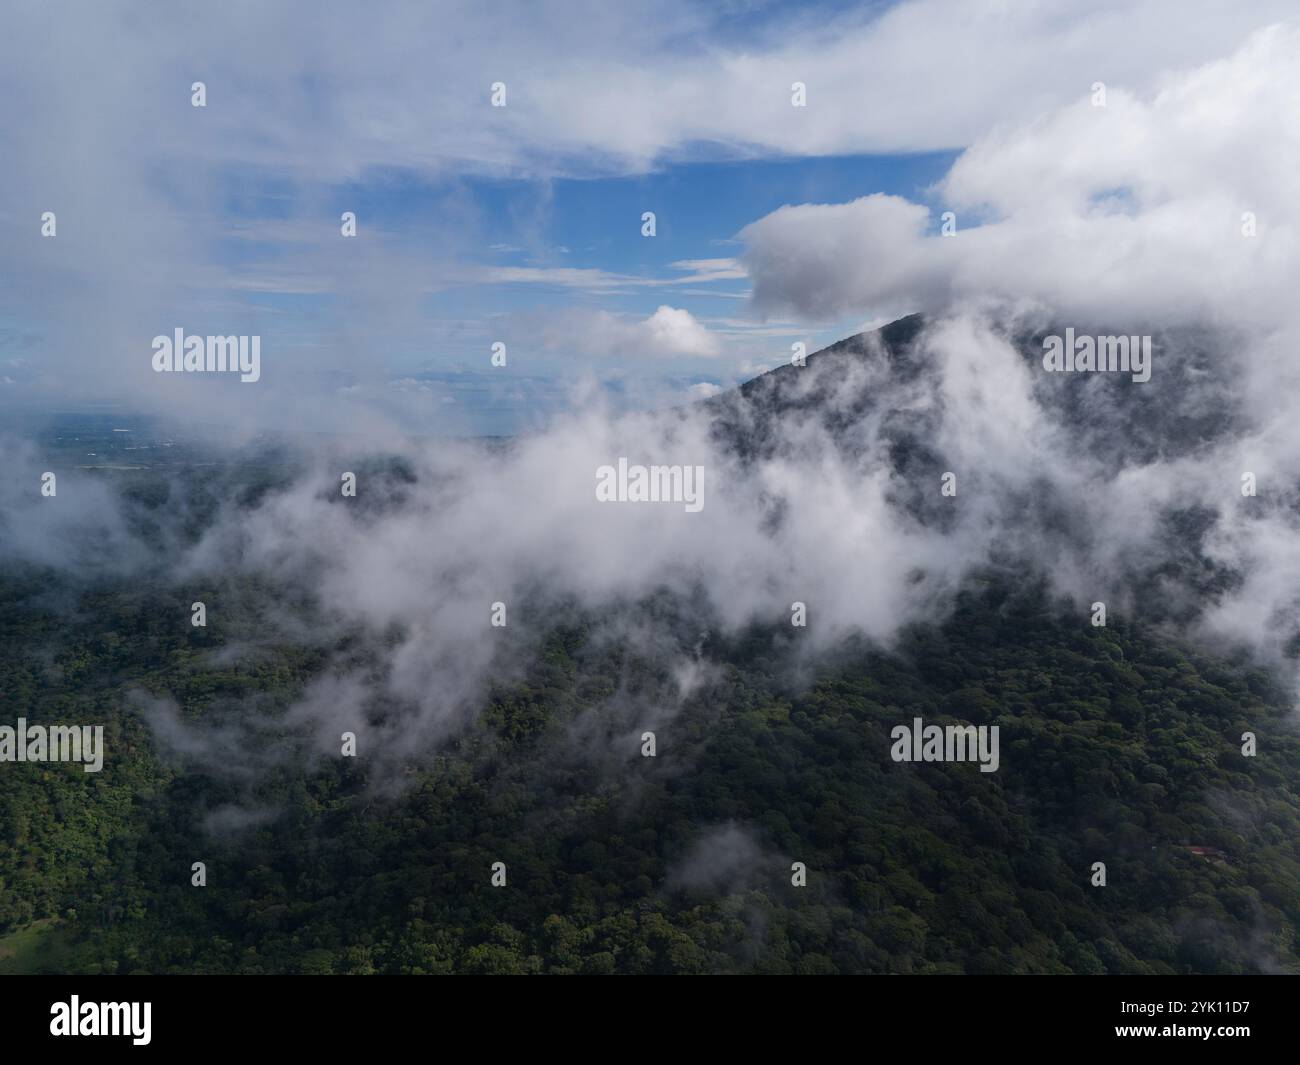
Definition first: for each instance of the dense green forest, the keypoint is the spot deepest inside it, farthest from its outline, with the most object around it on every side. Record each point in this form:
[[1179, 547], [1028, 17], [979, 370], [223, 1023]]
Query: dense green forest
[[1117, 745]]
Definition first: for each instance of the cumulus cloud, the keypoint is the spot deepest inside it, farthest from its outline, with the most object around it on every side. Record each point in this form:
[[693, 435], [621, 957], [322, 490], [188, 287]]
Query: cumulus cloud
[[1166, 211], [1137, 209], [674, 331], [825, 260], [670, 332], [703, 390]]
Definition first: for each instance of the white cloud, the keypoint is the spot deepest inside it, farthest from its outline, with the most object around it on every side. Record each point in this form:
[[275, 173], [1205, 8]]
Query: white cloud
[[703, 390], [823, 260], [695, 272], [633, 83], [702, 270], [1134, 208], [670, 332], [673, 331]]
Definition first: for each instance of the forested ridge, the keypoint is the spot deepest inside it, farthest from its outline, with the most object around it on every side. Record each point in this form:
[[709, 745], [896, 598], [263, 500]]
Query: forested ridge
[[1118, 746]]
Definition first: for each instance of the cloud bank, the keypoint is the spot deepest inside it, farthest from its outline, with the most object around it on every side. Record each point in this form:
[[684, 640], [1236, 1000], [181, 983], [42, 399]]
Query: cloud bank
[[825, 488]]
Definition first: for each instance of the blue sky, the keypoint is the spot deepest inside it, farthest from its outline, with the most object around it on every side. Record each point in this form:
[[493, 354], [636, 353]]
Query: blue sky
[[522, 224], [577, 245], [595, 225]]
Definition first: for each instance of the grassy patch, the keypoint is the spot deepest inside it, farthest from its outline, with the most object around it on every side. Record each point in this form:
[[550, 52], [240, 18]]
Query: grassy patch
[[38, 948]]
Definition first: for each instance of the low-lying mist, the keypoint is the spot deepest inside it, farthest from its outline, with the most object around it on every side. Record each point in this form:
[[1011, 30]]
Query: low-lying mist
[[846, 498]]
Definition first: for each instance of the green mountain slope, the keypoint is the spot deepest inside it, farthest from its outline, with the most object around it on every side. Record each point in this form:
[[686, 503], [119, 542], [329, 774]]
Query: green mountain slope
[[1116, 746]]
